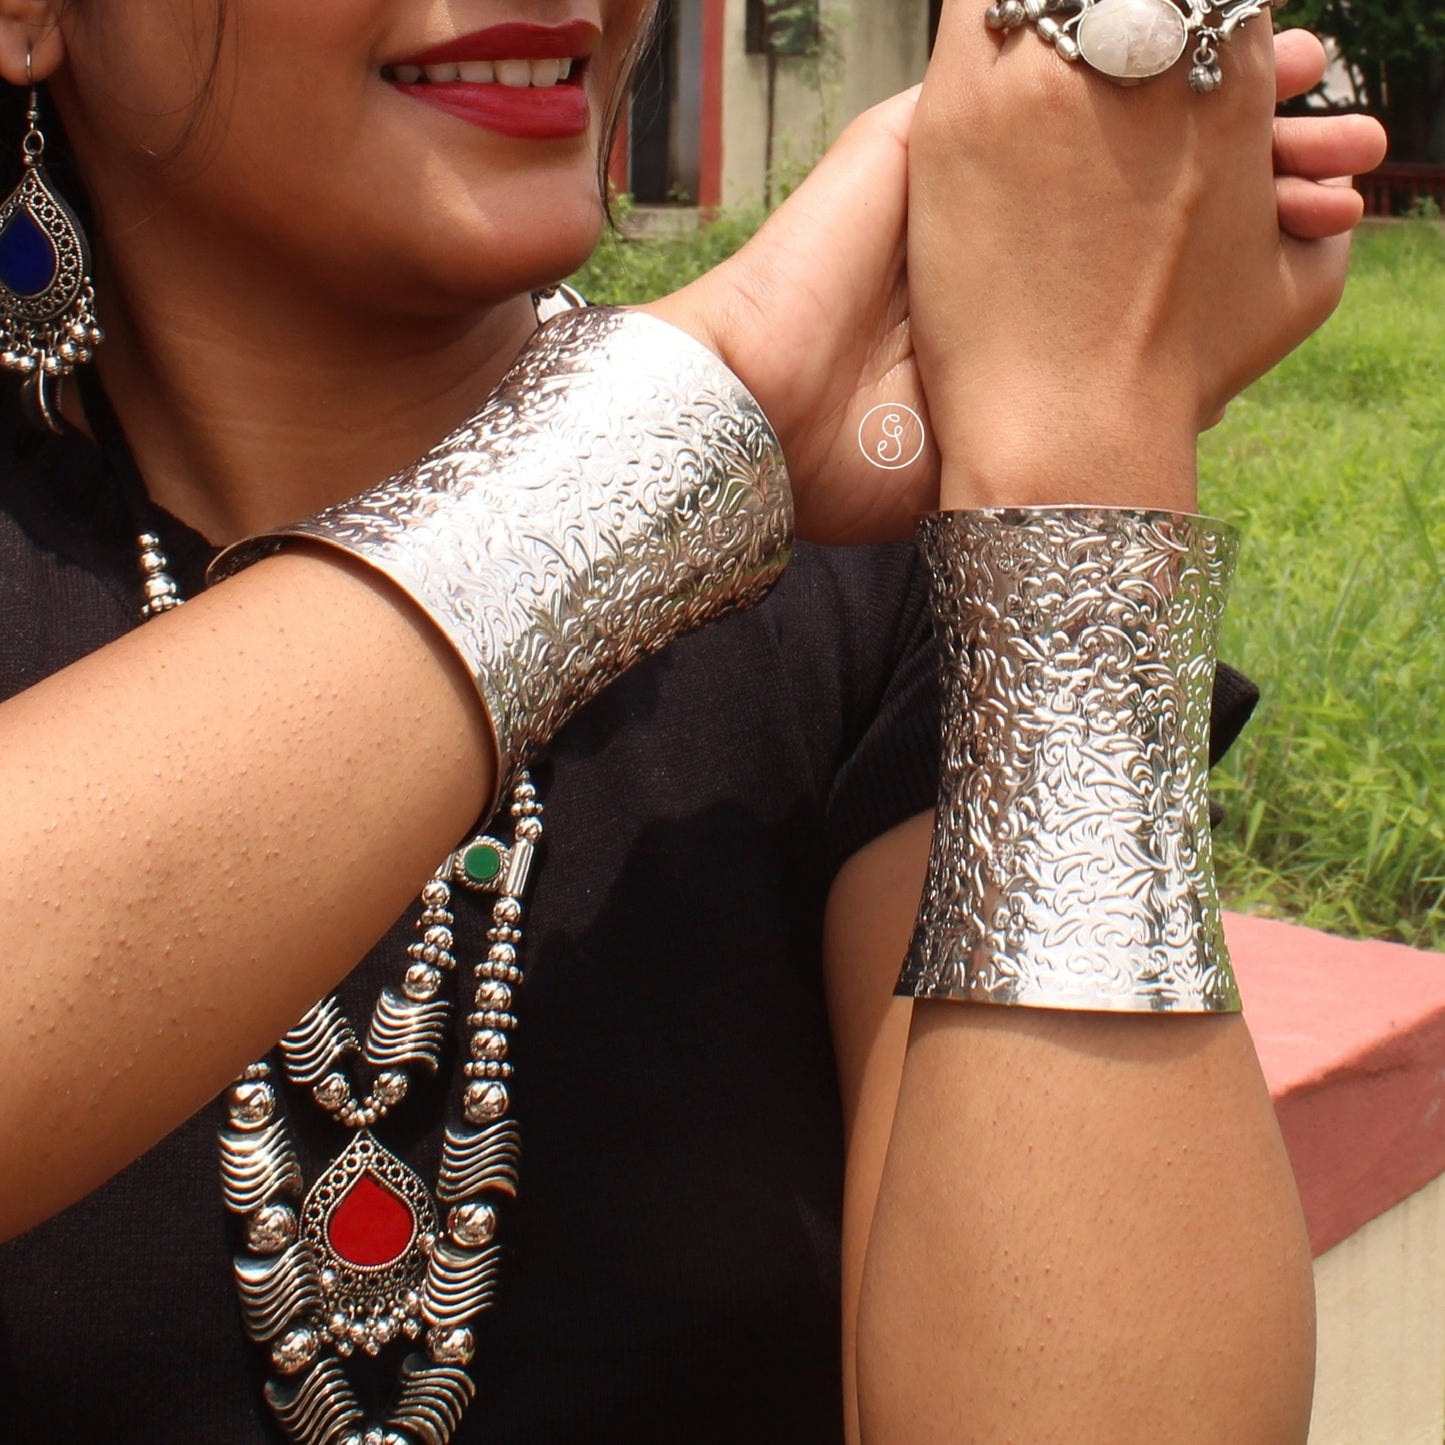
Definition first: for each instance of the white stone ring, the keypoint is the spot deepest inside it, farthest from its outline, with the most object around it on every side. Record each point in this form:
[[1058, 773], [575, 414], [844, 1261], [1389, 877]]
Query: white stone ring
[[1132, 41]]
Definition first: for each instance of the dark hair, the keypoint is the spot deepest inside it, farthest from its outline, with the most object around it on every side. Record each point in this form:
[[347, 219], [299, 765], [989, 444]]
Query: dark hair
[[60, 160]]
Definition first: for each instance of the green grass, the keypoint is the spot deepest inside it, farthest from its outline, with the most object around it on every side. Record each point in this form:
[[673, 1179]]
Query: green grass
[[1334, 465], [624, 273]]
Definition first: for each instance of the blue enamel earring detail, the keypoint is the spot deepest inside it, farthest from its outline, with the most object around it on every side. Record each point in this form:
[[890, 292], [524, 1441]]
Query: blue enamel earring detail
[[47, 301]]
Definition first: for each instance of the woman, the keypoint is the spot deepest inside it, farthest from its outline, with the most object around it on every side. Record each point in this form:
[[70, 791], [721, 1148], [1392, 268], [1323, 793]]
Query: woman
[[310, 265]]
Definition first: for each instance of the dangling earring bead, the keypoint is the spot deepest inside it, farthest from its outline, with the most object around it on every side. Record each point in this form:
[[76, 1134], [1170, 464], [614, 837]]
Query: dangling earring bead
[[47, 299]]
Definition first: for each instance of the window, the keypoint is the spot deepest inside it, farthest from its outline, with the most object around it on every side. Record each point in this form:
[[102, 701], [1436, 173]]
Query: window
[[782, 27]]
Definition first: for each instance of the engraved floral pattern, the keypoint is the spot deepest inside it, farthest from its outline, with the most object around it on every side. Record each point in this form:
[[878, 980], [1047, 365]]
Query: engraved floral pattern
[[619, 488], [1071, 863]]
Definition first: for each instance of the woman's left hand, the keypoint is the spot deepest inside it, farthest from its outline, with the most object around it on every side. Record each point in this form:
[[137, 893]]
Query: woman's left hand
[[813, 314]]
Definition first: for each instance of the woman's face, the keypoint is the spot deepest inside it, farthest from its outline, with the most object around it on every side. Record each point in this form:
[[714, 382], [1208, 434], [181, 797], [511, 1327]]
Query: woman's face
[[357, 148]]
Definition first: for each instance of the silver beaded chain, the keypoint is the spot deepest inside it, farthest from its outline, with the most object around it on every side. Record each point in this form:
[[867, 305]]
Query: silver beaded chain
[[300, 1292]]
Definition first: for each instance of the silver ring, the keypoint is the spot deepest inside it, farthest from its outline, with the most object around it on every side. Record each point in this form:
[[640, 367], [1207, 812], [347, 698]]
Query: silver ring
[[1132, 41]]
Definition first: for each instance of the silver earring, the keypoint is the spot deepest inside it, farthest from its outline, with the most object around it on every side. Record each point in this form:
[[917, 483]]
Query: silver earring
[[47, 300]]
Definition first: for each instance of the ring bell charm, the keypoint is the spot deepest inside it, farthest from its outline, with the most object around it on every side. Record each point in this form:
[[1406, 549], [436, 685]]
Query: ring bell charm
[[1132, 41]]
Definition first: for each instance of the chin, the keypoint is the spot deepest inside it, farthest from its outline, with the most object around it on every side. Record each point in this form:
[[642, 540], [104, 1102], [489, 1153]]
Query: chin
[[519, 244]]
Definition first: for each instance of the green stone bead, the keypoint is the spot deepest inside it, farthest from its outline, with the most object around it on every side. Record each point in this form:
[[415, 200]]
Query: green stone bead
[[482, 862]]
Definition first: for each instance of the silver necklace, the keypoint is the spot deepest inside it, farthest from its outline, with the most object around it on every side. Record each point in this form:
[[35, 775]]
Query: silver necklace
[[365, 1257]]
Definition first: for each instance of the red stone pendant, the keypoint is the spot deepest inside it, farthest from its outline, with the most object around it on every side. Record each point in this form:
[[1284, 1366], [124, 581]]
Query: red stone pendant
[[370, 1223]]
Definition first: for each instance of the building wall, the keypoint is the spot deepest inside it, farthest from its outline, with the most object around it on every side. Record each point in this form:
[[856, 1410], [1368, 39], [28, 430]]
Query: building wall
[[876, 48]]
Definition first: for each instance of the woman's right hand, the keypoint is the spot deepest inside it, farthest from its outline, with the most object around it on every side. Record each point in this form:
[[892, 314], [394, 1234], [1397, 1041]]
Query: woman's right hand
[[1096, 271]]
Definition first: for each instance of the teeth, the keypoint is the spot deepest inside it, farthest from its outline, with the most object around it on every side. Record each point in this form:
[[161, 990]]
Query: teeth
[[518, 74]]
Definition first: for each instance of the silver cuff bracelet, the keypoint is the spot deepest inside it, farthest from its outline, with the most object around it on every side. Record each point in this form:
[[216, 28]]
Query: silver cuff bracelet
[[1071, 865], [619, 488]]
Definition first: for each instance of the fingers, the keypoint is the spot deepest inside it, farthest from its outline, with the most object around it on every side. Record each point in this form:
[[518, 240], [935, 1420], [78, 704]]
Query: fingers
[[1312, 155], [1310, 210], [1299, 62], [1318, 147]]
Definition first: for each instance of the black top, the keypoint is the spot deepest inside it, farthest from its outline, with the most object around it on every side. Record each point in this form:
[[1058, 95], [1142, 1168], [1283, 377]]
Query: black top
[[672, 1260]]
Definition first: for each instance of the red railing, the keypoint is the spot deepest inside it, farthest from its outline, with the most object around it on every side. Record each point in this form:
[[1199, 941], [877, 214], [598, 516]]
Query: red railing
[[1398, 189]]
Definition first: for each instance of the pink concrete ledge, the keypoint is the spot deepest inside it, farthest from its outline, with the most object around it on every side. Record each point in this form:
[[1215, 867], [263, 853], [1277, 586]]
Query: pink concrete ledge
[[1352, 1040]]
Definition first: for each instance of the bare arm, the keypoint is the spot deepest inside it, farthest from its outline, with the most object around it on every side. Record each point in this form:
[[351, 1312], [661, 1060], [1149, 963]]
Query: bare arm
[[1086, 1228], [207, 824]]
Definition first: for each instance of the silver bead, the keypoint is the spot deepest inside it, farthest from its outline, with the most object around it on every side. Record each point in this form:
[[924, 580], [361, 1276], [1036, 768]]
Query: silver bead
[[489, 1044], [271, 1228], [1067, 46], [422, 982], [450, 1347], [530, 829], [390, 1087], [436, 893], [251, 1103], [483, 1101], [336, 1324], [332, 1092], [1206, 79], [472, 1224], [494, 994], [438, 937], [502, 953], [488, 1069], [508, 910], [295, 1350]]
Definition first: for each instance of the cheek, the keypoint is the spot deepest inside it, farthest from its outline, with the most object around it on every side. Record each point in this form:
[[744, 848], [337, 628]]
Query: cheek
[[300, 156], [156, 79], [135, 72]]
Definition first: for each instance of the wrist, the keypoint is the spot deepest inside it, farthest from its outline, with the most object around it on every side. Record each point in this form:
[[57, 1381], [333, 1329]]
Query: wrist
[[1058, 472], [688, 310], [1048, 446]]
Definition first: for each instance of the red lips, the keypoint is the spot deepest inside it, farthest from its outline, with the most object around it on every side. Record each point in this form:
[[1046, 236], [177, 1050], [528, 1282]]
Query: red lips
[[514, 41], [555, 112]]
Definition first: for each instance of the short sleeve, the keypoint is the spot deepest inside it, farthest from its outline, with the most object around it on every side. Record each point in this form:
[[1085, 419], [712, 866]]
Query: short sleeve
[[889, 771]]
